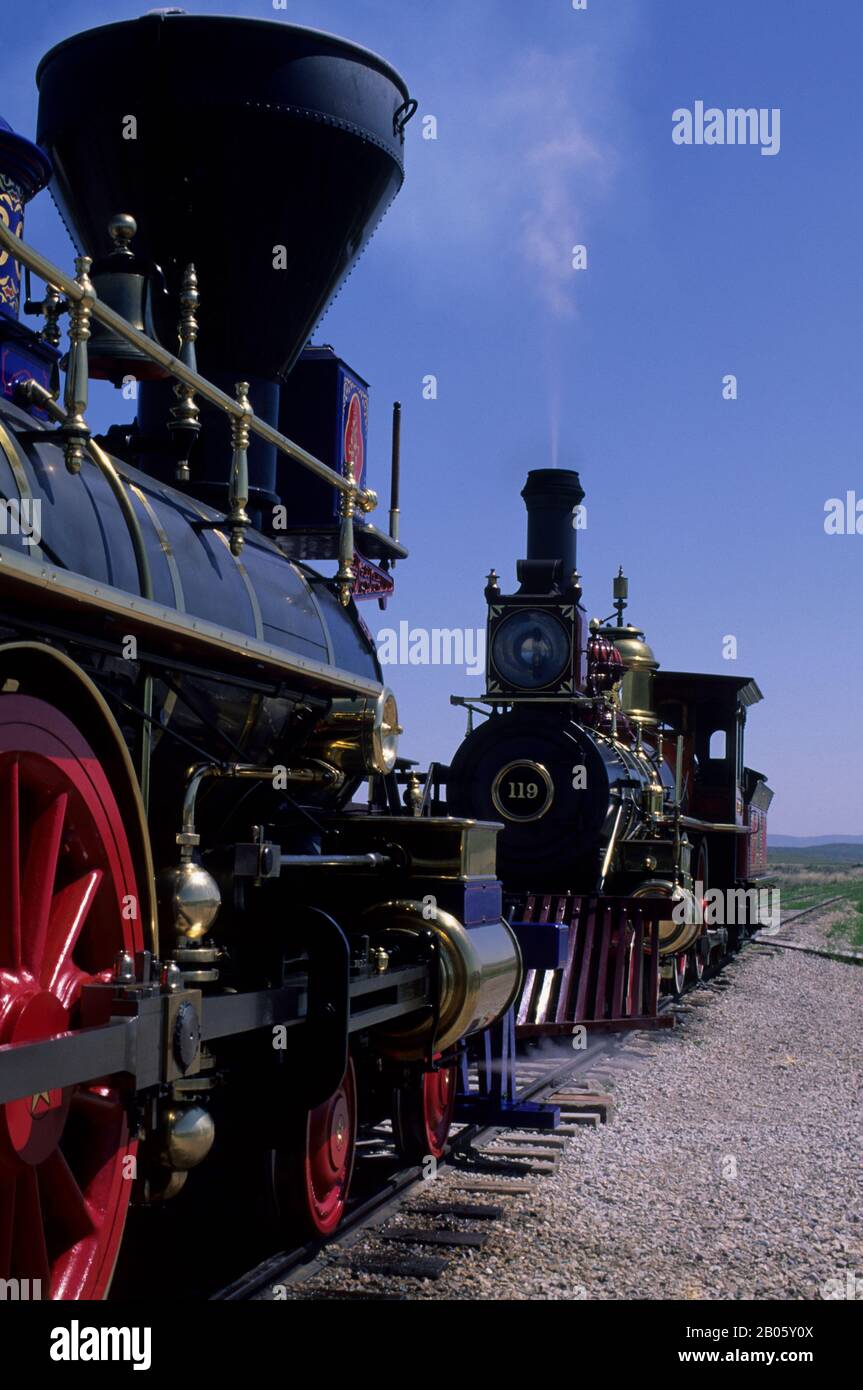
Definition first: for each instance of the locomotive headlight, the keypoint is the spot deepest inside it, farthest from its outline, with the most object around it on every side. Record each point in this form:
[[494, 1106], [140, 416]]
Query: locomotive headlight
[[386, 730], [531, 649], [360, 736]]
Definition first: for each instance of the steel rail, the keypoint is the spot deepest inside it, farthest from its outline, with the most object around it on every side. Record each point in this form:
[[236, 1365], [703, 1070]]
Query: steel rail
[[277, 1267]]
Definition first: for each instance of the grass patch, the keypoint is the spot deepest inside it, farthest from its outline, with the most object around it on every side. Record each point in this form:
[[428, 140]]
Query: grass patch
[[808, 876]]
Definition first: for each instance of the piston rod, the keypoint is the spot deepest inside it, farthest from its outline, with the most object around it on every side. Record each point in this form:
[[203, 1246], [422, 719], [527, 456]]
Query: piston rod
[[335, 861]]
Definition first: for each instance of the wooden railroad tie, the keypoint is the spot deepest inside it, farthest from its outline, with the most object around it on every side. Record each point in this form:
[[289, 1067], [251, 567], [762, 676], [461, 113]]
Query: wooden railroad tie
[[465, 1211], [473, 1240], [348, 1296], [498, 1188], [414, 1267], [526, 1156], [510, 1167], [549, 1140], [496, 1164], [574, 1104]]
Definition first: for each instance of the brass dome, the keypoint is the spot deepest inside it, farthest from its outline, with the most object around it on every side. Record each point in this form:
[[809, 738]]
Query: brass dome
[[636, 691]]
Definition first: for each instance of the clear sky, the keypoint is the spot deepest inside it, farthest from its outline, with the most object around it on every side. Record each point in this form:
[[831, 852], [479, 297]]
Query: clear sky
[[554, 128]]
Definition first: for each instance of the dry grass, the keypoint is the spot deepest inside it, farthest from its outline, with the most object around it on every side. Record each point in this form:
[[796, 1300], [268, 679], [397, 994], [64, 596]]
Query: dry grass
[[804, 881]]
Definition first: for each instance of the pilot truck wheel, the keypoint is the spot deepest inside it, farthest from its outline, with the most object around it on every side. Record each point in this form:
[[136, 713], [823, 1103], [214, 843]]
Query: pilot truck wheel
[[423, 1107], [313, 1165]]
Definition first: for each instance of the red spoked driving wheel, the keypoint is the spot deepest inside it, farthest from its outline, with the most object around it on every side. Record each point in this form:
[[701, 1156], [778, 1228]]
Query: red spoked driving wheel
[[423, 1107], [313, 1167], [68, 904]]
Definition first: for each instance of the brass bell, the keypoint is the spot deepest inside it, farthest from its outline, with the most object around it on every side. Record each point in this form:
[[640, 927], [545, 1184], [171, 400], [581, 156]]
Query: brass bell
[[126, 283]]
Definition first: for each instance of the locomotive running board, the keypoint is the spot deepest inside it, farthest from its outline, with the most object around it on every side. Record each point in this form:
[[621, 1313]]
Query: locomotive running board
[[591, 962]]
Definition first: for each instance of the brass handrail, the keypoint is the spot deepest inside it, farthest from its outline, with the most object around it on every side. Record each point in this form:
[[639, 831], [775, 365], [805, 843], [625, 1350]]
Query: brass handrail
[[83, 294], [36, 394]]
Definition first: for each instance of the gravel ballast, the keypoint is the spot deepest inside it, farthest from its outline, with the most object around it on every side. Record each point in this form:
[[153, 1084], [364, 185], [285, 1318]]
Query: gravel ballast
[[732, 1168]]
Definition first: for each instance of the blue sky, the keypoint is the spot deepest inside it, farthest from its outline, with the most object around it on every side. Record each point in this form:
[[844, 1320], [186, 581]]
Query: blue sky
[[554, 128]]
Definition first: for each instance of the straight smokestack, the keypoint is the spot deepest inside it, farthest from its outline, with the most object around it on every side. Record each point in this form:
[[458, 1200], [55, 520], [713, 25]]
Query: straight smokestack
[[551, 496]]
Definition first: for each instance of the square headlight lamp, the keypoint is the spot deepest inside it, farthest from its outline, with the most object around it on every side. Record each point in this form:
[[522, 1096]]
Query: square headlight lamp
[[531, 649]]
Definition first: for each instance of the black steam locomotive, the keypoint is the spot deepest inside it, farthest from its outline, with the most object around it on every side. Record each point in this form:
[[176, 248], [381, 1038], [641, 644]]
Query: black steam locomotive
[[618, 785], [197, 917]]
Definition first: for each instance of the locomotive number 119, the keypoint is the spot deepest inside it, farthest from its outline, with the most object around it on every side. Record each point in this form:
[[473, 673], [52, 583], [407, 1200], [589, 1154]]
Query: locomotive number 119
[[522, 791], [518, 791]]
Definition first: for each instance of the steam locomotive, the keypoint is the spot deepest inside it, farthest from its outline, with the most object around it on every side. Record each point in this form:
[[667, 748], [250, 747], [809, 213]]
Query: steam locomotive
[[618, 785], [199, 920]]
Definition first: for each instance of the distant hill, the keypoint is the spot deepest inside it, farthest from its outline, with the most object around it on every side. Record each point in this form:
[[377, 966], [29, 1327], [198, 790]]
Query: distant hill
[[807, 841], [847, 855]]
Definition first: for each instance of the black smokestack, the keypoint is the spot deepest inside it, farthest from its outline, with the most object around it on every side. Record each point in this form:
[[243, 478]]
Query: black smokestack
[[263, 153], [551, 496]]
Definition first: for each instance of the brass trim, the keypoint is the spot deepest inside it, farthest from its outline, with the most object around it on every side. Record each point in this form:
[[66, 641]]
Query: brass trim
[[109, 471], [674, 937], [104, 599], [85, 304], [257, 618], [19, 473], [249, 586], [716, 827], [149, 920], [298, 570], [256, 700], [544, 777], [170, 702], [104, 462], [167, 549], [480, 975]]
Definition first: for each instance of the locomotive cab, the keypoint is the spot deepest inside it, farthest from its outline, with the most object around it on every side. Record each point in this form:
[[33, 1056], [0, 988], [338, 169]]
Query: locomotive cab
[[709, 714]]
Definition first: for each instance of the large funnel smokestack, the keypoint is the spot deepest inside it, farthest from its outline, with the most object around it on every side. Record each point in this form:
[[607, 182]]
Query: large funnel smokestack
[[551, 496], [264, 153]]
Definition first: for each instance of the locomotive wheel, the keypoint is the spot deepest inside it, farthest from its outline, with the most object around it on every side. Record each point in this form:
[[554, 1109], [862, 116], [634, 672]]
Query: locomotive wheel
[[700, 876], [678, 973], [313, 1167], [696, 967], [631, 1004], [65, 869], [423, 1108]]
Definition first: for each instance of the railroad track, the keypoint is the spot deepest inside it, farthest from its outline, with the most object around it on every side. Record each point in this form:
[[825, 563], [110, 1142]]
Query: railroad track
[[474, 1151], [493, 1161], [803, 912]]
